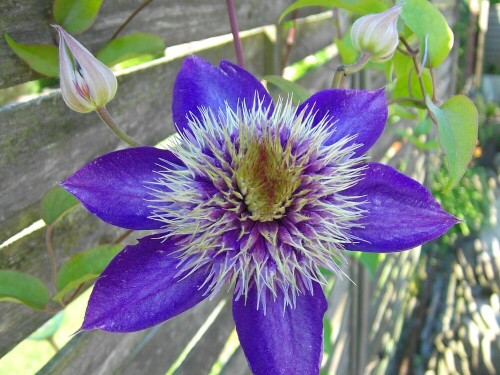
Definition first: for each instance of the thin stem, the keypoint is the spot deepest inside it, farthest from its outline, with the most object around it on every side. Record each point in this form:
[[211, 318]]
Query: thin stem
[[51, 310], [410, 50], [414, 54], [344, 70], [406, 99], [123, 236], [290, 39], [233, 20], [52, 258], [106, 117], [403, 51], [338, 27], [75, 293], [433, 80], [144, 4], [53, 343]]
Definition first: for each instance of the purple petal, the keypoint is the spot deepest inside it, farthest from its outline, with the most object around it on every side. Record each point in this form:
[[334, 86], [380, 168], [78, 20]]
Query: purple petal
[[354, 112], [200, 84], [401, 213], [139, 289], [286, 341], [114, 186]]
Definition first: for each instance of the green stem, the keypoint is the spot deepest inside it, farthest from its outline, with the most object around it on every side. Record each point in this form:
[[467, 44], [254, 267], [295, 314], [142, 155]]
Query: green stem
[[344, 70], [233, 21], [144, 4], [52, 258], [106, 117]]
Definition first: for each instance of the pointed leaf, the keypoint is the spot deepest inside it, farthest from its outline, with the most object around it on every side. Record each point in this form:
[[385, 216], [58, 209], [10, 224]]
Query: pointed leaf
[[130, 46], [296, 91], [348, 54], [357, 6], [76, 16], [41, 58], [457, 120], [49, 328], [83, 267], [55, 203], [433, 26], [20, 287]]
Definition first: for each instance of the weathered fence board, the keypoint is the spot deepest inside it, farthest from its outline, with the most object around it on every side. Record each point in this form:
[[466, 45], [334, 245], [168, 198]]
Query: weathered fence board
[[175, 22], [112, 353], [43, 142], [76, 232]]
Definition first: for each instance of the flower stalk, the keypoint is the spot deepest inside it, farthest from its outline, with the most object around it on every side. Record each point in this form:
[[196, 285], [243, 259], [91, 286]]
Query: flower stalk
[[233, 20], [344, 70], [108, 120], [86, 83]]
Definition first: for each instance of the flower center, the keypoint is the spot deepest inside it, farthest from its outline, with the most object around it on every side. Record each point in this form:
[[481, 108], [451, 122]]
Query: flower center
[[267, 176]]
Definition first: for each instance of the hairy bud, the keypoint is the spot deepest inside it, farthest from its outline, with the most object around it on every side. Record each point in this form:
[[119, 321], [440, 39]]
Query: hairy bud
[[86, 83], [377, 34]]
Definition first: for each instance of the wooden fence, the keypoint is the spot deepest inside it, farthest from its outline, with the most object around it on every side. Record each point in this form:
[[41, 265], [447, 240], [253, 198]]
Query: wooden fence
[[42, 142]]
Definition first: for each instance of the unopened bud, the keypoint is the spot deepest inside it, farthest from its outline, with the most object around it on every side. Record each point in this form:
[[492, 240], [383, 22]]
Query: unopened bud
[[377, 34], [86, 83]]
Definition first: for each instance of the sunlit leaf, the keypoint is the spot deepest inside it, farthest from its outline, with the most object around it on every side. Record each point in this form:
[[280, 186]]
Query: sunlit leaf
[[347, 53], [83, 267], [41, 58], [294, 90], [49, 328], [407, 83], [425, 20], [22, 288], [357, 6], [327, 335], [457, 120], [130, 46], [55, 203], [76, 16], [401, 112]]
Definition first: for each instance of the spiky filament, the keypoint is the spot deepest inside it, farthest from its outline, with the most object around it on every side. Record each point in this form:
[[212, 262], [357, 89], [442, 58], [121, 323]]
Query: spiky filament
[[260, 199]]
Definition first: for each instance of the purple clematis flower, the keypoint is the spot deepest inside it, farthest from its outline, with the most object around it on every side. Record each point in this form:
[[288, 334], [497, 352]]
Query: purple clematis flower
[[257, 196]]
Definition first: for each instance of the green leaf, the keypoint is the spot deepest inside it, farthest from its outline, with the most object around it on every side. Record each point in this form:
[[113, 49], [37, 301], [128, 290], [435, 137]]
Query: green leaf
[[369, 260], [357, 6], [55, 203], [457, 120], [327, 335], [49, 328], [20, 287], [76, 16], [407, 82], [424, 127], [425, 20], [348, 54], [296, 91], [130, 46], [83, 267], [41, 58]]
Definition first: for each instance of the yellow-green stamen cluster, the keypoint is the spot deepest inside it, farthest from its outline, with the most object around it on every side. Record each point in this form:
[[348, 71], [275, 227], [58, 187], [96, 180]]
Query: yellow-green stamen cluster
[[260, 199]]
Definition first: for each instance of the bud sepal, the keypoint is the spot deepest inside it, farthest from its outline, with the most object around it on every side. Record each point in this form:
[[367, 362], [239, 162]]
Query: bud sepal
[[86, 83], [377, 34]]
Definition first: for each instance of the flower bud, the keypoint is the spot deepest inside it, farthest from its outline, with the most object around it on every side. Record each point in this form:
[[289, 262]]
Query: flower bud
[[377, 34], [86, 83]]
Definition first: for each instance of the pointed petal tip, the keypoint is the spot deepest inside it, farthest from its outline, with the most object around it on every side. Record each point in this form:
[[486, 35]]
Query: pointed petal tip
[[400, 212]]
